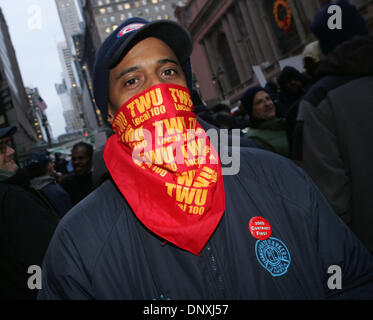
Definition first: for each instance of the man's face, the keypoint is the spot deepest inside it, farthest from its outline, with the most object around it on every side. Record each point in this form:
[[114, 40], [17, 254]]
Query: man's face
[[310, 65], [294, 87], [81, 160], [148, 63], [263, 106], [6, 156]]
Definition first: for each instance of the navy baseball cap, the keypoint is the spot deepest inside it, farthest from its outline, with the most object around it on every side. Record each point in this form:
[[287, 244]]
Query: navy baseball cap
[[7, 131], [124, 38], [39, 159]]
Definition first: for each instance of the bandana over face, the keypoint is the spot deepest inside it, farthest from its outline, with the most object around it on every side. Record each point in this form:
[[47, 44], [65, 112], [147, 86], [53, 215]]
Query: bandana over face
[[164, 165]]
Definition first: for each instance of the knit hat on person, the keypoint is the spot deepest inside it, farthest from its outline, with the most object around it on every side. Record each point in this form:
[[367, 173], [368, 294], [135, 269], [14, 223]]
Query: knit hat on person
[[124, 38], [287, 74], [312, 50], [247, 98], [353, 24]]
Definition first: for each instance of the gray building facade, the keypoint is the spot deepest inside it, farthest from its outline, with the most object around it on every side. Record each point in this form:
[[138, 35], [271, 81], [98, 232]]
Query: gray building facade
[[14, 107], [232, 36]]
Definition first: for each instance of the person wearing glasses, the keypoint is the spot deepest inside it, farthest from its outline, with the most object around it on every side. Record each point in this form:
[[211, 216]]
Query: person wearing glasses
[[26, 227]]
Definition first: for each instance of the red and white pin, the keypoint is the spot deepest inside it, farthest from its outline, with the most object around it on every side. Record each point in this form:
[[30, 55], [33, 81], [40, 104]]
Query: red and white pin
[[260, 228]]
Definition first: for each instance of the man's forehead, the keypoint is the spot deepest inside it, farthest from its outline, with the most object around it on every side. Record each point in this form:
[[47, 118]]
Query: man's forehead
[[79, 150], [260, 95], [154, 44]]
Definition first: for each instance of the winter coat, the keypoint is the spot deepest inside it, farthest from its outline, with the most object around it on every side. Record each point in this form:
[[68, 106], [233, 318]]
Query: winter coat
[[100, 250], [334, 134], [26, 227], [271, 134]]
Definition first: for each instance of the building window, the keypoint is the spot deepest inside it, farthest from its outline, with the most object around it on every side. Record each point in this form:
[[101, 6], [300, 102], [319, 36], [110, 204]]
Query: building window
[[127, 6], [109, 9], [102, 10], [120, 7], [100, 3], [143, 2], [154, 1]]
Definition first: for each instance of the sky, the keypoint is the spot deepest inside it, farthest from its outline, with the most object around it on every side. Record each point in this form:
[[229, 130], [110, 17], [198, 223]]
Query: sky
[[35, 30]]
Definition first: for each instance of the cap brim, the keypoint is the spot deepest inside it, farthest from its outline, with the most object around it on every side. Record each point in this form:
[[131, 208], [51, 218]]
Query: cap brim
[[8, 131], [173, 34]]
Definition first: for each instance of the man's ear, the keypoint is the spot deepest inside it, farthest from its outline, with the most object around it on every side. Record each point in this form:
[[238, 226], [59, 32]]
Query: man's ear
[[110, 116]]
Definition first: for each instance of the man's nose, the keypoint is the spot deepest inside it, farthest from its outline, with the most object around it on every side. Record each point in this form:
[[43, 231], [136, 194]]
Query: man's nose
[[154, 80], [269, 102]]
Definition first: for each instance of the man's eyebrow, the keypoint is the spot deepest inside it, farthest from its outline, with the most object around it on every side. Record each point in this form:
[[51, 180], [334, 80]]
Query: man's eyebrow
[[167, 60], [124, 72], [134, 68]]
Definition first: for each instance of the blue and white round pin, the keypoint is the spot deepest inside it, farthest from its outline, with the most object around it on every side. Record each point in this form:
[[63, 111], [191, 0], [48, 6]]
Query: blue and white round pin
[[273, 255]]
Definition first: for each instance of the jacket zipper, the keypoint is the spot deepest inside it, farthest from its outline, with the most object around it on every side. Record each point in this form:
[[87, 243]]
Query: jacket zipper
[[215, 272]]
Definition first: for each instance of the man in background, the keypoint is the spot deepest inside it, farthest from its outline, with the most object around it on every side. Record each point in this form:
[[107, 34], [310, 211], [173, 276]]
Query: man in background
[[26, 227], [79, 184]]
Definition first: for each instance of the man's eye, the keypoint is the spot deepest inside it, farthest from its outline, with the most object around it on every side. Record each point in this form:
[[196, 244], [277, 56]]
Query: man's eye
[[130, 82], [169, 72]]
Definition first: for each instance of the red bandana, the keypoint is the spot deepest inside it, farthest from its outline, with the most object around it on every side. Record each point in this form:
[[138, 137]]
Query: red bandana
[[164, 165]]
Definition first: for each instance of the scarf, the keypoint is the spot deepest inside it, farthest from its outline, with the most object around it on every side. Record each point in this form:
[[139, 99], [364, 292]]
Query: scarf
[[166, 168]]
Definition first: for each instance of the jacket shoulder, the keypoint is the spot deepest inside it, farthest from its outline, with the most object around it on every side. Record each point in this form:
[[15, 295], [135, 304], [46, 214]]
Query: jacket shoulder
[[275, 172], [320, 90], [90, 222], [99, 208]]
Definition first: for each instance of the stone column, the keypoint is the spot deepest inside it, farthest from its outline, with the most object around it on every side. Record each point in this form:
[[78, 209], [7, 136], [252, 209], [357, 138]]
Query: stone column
[[310, 8], [214, 63], [237, 43], [297, 21], [255, 48], [265, 42]]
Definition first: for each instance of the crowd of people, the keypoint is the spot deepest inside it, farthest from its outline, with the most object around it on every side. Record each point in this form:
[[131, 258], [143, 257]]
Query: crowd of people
[[115, 228], [33, 200], [268, 114]]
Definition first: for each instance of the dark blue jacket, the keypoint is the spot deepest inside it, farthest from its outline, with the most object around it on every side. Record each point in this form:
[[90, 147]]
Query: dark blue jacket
[[100, 250], [58, 197]]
